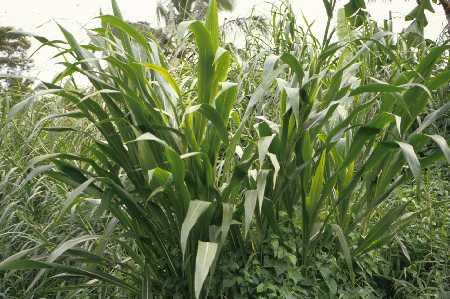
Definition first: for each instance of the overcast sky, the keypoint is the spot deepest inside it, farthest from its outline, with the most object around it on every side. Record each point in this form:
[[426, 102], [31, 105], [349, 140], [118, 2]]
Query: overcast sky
[[38, 16]]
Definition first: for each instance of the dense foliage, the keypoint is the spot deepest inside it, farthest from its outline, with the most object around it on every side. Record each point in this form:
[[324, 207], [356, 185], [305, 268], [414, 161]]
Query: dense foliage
[[293, 168]]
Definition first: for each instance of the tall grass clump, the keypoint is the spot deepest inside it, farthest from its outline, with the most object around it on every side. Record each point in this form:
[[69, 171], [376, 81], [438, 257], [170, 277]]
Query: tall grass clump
[[154, 159], [187, 167]]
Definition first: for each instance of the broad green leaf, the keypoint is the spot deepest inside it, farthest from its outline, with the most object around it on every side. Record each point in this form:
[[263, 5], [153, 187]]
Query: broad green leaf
[[261, 185], [382, 120], [398, 124], [212, 23], [214, 117], [263, 148], [214, 233], [331, 49], [190, 155], [269, 75], [355, 10], [166, 76], [251, 196], [206, 254], [225, 100], [334, 87], [81, 54], [307, 147], [292, 99], [411, 158], [222, 63], [205, 45], [150, 137], [363, 135], [425, 65], [295, 66], [377, 87], [341, 127], [177, 167], [195, 210], [227, 217], [315, 192], [293, 102], [276, 167], [432, 117], [439, 80], [443, 145], [127, 29]]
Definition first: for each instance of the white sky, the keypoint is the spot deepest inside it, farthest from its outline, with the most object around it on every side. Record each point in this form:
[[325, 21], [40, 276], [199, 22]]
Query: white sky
[[39, 16]]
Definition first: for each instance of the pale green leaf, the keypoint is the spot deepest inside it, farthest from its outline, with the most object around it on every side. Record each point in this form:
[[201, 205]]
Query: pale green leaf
[[263, 148], [206, 254], [227, 210], [443, 145], [411, 158], [251, 197], [276, 167], [195, 210], [261, 186]]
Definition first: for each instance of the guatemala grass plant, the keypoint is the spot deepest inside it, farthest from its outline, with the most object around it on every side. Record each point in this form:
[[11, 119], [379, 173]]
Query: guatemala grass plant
[[196, 172]]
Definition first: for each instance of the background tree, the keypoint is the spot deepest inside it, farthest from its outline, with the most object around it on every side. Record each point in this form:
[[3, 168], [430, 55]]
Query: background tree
[[446, 6], [14, 62], [180, 10], [419, 12]]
